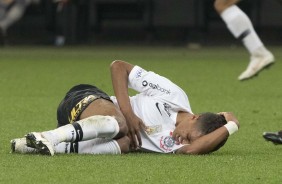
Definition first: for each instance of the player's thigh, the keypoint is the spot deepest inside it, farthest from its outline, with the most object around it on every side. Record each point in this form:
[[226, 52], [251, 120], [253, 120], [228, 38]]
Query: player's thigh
[[101, 107], [221, 5], [106, 108]]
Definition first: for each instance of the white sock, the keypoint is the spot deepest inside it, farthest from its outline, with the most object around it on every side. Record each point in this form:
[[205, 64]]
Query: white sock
[[14, 14], [104, 146], [65, 133], [241, 27], [85, 129], [63, 147], [93, 146], [97, 127]]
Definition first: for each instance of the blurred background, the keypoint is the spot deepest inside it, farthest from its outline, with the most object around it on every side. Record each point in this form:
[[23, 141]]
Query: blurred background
[[91, 22]]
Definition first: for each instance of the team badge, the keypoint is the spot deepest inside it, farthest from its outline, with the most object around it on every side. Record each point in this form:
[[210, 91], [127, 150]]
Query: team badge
[[166, 143]]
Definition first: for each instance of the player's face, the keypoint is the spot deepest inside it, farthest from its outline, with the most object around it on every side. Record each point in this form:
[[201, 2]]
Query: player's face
[[194, 135], [191, 129], [194, 132]]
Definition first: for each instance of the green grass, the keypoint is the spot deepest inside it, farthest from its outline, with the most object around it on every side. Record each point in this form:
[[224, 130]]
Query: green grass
[[33, 81]]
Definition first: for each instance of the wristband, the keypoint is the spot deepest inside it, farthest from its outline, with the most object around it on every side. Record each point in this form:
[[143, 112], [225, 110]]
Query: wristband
[[231, 127]]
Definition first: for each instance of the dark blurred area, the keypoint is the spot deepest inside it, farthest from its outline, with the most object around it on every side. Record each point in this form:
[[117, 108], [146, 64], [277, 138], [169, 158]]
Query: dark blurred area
[[138, 21]]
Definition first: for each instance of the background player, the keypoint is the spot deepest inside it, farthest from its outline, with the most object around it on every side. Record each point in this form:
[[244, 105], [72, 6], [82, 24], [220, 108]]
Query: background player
[[12, 11], [241, 27]]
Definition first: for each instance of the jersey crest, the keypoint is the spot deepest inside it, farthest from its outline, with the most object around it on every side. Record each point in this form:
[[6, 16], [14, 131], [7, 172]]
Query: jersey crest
[[167, 143]]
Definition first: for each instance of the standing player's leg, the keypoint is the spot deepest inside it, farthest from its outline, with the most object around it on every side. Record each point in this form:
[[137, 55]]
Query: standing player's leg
[[241, 27], [10, 12]]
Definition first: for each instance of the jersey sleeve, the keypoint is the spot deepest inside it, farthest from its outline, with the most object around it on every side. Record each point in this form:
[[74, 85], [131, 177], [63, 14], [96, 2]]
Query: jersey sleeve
[[151, 84], [148, 82]]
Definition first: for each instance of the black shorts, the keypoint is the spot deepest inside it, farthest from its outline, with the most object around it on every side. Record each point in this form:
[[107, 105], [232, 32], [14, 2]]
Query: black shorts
[[76, 101]]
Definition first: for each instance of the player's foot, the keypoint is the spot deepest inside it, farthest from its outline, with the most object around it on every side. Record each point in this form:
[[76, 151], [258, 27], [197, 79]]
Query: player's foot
[[257, 64], [274, 137], [19, 146], [37, 141]]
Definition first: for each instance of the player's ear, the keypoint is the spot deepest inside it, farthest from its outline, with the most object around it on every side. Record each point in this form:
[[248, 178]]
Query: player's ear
[[195, 116]]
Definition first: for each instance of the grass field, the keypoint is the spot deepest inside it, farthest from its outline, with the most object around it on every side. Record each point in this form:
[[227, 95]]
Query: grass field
[[33, 81]]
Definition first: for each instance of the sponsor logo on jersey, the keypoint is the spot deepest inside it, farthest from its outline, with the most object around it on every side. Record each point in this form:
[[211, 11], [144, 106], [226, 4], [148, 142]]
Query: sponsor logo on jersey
[[167, 108], [155, 86], [157, 105], [144, 83], [138, 73]]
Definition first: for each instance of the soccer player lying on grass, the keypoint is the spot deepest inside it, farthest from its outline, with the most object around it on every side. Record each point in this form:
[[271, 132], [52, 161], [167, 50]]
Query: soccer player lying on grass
[[158, 119]]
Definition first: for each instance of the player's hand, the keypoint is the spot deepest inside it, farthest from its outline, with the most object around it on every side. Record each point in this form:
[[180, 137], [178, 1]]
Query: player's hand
[[135, 125], [229, 116], [180, 133]]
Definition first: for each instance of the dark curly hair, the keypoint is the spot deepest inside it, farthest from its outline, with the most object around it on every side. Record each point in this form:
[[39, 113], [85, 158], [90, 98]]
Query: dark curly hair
[[209, 122]]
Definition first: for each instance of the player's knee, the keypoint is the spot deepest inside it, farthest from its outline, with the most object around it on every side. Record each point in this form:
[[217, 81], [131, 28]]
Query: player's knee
[[123, 129], [124, 144]]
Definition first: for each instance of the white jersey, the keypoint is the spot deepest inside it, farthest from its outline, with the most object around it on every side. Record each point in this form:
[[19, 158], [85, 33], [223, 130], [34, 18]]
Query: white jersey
[[157, 104]]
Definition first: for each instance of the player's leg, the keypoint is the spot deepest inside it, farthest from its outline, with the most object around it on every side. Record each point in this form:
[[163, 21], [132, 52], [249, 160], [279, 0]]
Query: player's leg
[[86, 129], [10, 12], [241, 27], [99, 118], [93, 146]]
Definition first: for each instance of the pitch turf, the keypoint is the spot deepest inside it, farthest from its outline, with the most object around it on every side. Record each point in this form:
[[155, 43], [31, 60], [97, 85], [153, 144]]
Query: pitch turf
[[33, 81]]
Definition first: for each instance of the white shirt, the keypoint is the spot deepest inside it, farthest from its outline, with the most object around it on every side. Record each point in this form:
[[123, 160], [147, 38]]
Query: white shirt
[[157, 104]]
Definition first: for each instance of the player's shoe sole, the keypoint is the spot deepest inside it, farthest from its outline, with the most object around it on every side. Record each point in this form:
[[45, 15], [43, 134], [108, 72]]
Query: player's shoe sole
[[273, 137], [43, 146]]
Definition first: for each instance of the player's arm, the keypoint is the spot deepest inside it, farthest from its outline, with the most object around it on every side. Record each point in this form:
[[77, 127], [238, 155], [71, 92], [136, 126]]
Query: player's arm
[[206, 143], [120, 71], [209, 142]]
